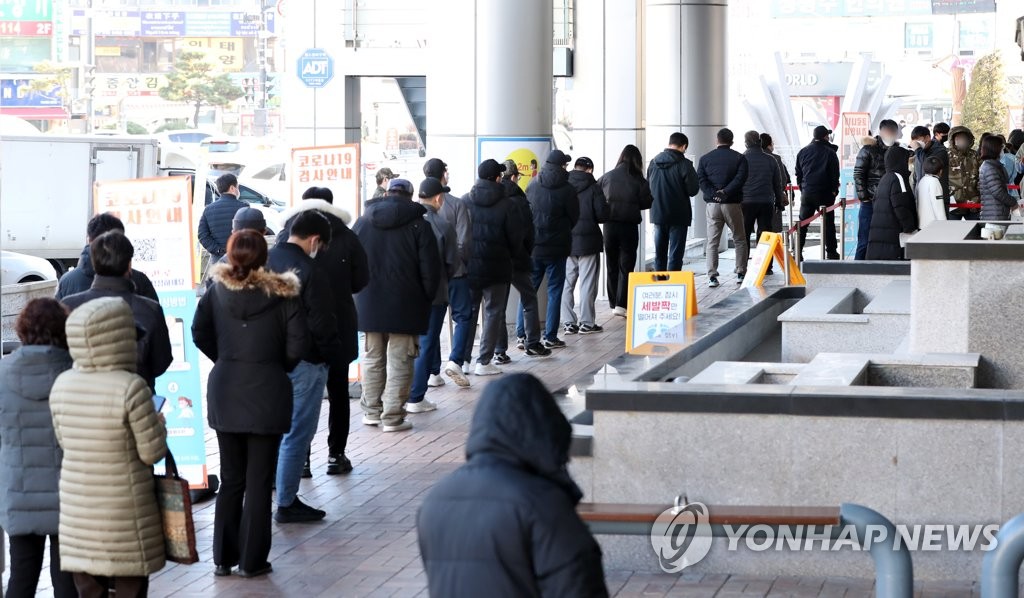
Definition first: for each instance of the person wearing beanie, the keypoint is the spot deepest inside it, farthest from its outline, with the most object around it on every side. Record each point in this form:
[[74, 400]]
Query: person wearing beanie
[[721, 174], [817, 175], [762, 191]]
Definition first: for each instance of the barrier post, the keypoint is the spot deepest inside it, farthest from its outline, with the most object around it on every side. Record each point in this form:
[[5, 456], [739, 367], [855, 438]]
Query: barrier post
[[799, 254], [842, 229], [821, 226]]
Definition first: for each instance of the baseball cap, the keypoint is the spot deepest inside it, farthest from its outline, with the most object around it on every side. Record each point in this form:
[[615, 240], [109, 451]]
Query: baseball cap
[[387, 172], [249, 219], [431, 187], [822, 132], [558, 157], [434, 168], [490, 169], [400, 186], [511, 168], [584, 162]]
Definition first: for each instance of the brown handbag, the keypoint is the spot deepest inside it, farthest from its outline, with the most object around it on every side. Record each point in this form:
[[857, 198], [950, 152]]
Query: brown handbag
[[175, 502]]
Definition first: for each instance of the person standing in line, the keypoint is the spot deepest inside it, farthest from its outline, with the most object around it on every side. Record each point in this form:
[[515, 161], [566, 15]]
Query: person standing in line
[[457, 213], [930, 204], [383, 177], [673, 182], [309, 233], [628, 195], [117, 542], [344, 265], [585, 258], [762, 190], [497, 237], [394, 309], [940, 132], [528, 318], [721, 174], [924, 145], [895, 208], [80, 278], [29, 454], [251, 324], [996, 201], [963, 173], [555, 212], [868, 170], [769, 148], [431, 197], [215, 223], [817, 175]]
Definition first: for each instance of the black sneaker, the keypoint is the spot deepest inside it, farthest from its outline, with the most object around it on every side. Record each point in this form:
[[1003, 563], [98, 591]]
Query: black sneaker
[[740, 276], [590, 329], [338, 464], [538, 350], [554, 343], [306, 471], [521, 343], [569, 328], [298, 512], [502, 359], [713, 282], [769, 272], [264, 570]]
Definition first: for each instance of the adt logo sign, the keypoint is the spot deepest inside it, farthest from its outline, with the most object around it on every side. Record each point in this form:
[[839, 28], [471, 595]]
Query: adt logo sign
[[316, 68]]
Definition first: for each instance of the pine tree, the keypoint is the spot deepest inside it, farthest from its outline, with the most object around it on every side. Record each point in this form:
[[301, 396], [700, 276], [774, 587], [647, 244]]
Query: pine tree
[[985, 108], [193, 81]]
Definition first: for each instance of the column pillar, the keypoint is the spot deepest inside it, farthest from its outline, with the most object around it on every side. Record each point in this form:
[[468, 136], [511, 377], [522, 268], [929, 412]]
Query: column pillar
[[686, 80]]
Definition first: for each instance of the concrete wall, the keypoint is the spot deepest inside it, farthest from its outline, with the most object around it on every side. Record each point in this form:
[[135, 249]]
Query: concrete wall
[[13, 298]]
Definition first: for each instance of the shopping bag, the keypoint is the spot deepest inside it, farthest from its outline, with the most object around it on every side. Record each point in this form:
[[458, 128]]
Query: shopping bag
[[175, 505]]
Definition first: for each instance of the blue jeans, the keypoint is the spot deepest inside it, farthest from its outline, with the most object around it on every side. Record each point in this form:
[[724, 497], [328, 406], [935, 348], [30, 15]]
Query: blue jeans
[[555, 270], [429, 360], [669, 247], [308, 382], [863, 226], [461, 303]]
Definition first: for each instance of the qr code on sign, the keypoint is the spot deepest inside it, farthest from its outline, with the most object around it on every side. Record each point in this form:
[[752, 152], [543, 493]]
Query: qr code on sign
[[145, 250]]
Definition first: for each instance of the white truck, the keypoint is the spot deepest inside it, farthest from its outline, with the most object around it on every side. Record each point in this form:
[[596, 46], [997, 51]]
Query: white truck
[[46, 185]]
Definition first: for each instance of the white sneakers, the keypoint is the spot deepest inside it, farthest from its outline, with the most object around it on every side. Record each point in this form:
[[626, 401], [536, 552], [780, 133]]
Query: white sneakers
[[420, 406], [619, 311], [487, 370], [455, 372], [402, 427], [435, 380], [371, 421]]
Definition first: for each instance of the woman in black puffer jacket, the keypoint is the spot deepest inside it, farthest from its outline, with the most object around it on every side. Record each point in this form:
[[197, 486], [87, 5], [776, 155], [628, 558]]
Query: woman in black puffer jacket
[[996, 201], [895, 208], [628, 194]]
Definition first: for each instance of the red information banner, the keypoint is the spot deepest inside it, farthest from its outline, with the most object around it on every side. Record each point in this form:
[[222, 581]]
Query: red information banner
[[26, 28]]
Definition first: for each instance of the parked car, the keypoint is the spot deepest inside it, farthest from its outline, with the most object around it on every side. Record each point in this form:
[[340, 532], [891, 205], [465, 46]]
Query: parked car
[[17, 268]]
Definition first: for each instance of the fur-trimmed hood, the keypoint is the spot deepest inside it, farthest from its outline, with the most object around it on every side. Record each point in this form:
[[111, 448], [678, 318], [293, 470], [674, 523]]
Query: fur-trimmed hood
[[272, 284], [868, 141], [317, 204]]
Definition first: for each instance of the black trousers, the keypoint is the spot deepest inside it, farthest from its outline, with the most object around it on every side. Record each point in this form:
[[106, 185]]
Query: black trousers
[[828, 234], [620, 246], [241, 523], [760, 214], [91, 586], [27, 561], [340, 410]]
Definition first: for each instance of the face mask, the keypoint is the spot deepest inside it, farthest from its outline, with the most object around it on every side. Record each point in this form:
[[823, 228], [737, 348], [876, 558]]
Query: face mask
[[313, 253], [888, 141]]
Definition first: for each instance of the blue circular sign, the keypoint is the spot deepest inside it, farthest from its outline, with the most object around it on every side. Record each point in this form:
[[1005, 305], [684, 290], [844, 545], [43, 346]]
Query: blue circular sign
[[315, 68]]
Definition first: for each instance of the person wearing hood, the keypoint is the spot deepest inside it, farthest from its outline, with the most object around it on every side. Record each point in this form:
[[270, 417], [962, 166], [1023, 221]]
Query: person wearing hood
[[428, 362], [868, 169], [111, 535], [80, 278], [930, 203], [996, 201], [963, 173], [251, 324], [762, 191], [924, 146], [628, 195], [895, 210], [344, 264], [525, 538], [497, 242], [673, 182], [394, 308], [585, 258], [817, 175], [555, 212], [29, 455], [383, 177]]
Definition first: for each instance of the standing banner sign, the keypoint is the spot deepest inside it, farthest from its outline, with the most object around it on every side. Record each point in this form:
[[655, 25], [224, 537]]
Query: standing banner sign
[[769, 247], [659, 303], [335, 167], [528, 152], [854, 127], [157, 217]]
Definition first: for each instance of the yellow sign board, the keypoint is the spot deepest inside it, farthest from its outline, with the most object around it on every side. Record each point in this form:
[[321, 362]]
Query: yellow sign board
[[224, 53], [769, 248], [659, 303]]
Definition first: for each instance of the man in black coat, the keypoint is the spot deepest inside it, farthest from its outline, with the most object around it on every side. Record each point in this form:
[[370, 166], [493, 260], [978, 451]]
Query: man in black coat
[[925, 146], [215, 223], [555, 210], [525, 539], [584, 263], [673, 182], [867, 171], [497, 238], [80, 279], [817, 175], [111, 255], [344, 264], [394, 308], [309, 233], [762, 191], [721, 174]]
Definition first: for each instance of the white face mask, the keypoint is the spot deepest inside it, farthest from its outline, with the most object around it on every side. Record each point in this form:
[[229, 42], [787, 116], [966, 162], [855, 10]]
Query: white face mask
[[888, 141], [314, 252]]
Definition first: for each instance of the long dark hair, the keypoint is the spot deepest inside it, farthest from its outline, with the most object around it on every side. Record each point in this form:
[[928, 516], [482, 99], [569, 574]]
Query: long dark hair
[[633, 160]]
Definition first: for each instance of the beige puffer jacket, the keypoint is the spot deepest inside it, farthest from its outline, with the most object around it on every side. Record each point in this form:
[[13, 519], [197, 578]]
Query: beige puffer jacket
[[104, 419]]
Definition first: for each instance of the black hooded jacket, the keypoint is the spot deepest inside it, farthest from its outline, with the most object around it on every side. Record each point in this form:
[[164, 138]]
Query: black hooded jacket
[[498, 236], [505, 523], [520, 209], [587, 238], [764, 178], [80, 279], [405, 267], [895, 208], [628, 194], [317, 300], [555, 212], [673, 182]]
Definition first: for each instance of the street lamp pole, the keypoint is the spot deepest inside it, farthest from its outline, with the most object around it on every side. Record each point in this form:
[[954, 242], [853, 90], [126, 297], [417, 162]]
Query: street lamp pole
[[260, 124]]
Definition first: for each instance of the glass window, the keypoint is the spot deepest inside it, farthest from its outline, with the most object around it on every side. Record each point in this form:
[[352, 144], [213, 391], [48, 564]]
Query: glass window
[[270, 173], [157, 55], [19, 54], [251, 196], [118, 54]]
